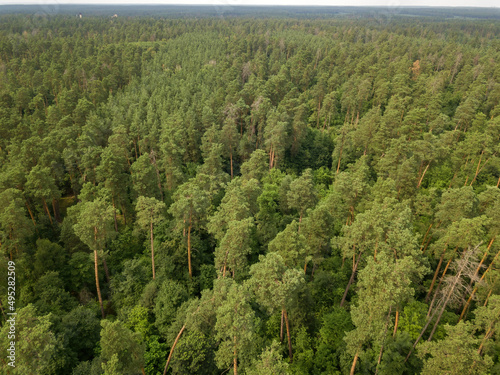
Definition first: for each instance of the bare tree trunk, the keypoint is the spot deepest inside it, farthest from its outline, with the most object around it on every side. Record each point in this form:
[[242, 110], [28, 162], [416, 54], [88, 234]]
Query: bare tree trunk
[[432, 302], [435, 275], [189, 247], [152, 248], [281, 328], [475, 289], [55, 208], [172, 349], [340, 154], [351, 280], [290, 354], [487, 336], [488, 297], [396, 324], [446, 268], [3, 312], [484, 258], [353, 367], [441, 308], [124, 212], [153, 161], [421, 334], [31, 215], [448, 296], [423, 174], [96, 270], [106, 270], [114, 214], [425, 237], [47, 210], [235, 358], [479, 170], [231, 158]]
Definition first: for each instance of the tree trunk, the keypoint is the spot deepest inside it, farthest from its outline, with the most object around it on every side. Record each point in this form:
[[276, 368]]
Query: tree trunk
[[235, 358], [124, 212], [97, 281], [340, 154], [31, 215], [382, 346], [432, 302], [483, 259], [488, 297], [423, 174], [479, 170], [290, 354], [425, 237], [189, 247], [172, 349], [55, 208], [440, 309], [396, 324], [152, 248], [231, 158], [281, 328], [446, 268], [351, 280], [421, 334], [353, 367], [153, 161], [3, 312], [114, 214], [457, 279], [475, 289], [106, 270], [435, 275], [47, 210], [487, 336]]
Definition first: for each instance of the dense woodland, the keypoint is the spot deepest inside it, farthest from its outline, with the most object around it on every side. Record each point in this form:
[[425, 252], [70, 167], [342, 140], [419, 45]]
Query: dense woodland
[[252, 196]]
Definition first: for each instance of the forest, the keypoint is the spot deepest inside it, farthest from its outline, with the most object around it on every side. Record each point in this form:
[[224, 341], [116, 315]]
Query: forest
[[252, 195]]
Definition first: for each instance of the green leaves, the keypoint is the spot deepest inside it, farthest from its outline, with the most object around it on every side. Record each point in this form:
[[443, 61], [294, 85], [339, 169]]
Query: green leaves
[[95, 223], [36, 344], [274, 284], [455, 354], [122, 351]]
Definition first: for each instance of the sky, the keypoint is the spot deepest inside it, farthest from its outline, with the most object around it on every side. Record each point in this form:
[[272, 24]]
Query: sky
[[383, 3]]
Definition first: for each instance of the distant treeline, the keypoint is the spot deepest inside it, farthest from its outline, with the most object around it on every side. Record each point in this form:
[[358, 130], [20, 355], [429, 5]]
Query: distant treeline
[[188, 11]]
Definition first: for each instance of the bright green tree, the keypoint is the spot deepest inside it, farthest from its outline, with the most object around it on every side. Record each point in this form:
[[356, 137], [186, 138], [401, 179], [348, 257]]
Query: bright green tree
[[122, 351], [276, 287], [234, 327], [36, 344], [150, 212], [189, 208], [94, 227]]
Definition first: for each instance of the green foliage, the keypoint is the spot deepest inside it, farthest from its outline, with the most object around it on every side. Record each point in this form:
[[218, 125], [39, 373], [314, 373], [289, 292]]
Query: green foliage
[[34, 354], [171, 294], [269, 362], [122, 351], [194, 354], [309, 166], [456, 353]]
